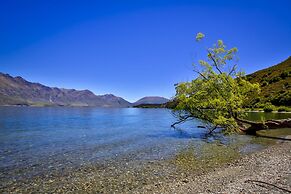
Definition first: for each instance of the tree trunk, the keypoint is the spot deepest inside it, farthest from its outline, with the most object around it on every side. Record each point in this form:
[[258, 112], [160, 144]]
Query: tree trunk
[[251, 127]]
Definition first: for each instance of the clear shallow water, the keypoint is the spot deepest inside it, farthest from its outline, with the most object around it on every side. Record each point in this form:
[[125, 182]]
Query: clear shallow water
[[40, 136], [36, 140]]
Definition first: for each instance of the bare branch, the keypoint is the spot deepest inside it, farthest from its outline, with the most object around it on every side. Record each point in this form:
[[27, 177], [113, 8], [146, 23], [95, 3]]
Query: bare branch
[[196, 71], [182, 120], [215, 63], [232, 70], [212, 129]]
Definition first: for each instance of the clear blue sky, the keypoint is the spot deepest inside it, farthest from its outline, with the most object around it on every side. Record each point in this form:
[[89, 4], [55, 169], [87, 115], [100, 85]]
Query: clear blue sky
[[134, 48]]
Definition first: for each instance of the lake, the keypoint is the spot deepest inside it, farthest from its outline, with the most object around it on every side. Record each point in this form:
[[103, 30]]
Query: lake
[[28, 134], [36, 140]]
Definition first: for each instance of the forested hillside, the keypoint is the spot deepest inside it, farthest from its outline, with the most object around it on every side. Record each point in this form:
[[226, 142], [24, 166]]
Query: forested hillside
[[275, 84]]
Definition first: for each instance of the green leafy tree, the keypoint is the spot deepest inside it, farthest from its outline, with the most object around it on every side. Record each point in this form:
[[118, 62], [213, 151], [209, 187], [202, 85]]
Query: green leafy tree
[[218, 93]]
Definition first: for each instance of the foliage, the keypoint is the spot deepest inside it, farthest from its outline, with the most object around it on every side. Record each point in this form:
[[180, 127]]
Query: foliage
[[285, 74], [264, 83], [269, 107], [274, 79], [171, 104], [284, 109], [283, 98], [275, 84], [218, 93]]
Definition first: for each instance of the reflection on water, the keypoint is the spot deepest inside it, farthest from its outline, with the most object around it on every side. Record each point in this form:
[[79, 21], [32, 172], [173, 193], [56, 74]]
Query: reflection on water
[[263, 116]]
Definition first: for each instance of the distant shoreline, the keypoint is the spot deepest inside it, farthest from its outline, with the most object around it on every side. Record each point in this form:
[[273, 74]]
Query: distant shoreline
[[142, 106], [275, 111]]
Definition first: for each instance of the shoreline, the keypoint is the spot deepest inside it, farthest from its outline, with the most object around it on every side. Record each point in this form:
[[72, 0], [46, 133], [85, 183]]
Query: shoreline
[[270, 165], [261, 111], [265, 171]]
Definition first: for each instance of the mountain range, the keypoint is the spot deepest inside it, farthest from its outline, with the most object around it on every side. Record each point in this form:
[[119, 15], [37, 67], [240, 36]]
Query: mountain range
[[18, 91]]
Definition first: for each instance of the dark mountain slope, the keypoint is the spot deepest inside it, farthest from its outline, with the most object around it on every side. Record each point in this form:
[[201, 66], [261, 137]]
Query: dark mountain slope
[[151, 100]]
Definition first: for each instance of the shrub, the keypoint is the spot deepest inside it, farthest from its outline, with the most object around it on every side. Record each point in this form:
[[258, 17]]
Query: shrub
[[259, 105], [264, 83], [282, 109], [274, 79], [285, 74], [283, 99], [269, 108]]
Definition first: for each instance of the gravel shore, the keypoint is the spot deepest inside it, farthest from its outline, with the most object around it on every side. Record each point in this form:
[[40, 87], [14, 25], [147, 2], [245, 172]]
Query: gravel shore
[[266, 171]]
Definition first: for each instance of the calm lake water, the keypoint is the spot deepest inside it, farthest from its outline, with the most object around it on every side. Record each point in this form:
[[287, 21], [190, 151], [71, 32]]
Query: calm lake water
[[35, 140], [35, 136]]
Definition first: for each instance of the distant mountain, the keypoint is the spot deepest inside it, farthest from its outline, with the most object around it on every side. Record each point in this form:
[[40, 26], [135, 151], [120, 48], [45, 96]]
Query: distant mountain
[[151, 100], [18, 91], [275, 83]]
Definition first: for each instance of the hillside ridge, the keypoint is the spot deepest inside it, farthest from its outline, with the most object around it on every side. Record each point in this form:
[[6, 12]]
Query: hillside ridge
[[275, 83], [18, 91]]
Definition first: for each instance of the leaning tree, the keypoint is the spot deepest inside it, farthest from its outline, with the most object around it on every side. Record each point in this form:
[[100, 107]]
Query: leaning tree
[[219, 93]]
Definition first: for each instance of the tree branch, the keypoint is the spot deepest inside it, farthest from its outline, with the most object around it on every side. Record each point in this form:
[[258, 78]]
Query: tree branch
[[196, 71], [211, 130], [181, 120], [232, 70], [245, 121], [215, 63]]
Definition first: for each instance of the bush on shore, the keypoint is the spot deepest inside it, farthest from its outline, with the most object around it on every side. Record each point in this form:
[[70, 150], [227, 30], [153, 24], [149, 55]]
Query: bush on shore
[[269, 108], [284, 109]]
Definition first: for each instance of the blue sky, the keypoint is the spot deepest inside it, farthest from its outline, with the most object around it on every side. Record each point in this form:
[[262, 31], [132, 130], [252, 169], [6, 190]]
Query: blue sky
[[135, 48]]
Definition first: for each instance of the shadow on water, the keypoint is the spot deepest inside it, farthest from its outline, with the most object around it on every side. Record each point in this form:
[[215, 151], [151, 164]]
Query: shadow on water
[[275, 134], [179, 133], [196, 134]]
